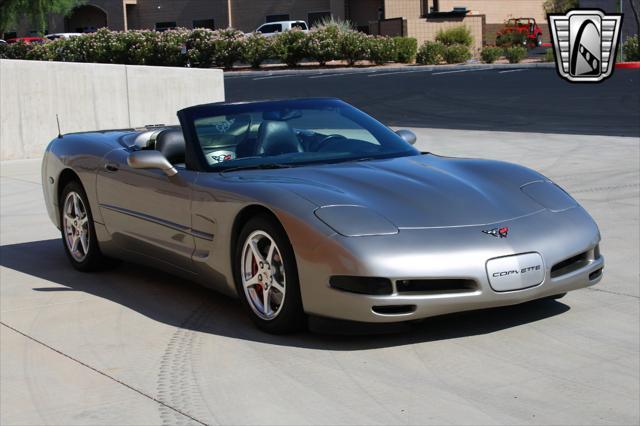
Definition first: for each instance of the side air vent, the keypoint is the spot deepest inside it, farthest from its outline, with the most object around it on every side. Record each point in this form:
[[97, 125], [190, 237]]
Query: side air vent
[[436, 286], [569, 265], [361, 285], [394, 309]]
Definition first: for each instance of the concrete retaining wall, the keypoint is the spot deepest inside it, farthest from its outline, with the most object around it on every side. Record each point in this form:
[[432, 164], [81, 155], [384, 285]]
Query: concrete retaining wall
[[92, 97]]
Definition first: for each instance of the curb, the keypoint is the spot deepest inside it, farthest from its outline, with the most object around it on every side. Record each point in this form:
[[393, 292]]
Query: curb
[[628, 65], [370, 70]]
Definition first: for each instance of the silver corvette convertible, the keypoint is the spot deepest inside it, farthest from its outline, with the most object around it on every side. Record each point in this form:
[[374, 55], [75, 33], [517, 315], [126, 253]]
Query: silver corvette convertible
[[311, 207]]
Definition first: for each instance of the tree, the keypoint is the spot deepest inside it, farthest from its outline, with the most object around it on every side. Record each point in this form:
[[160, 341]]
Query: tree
[[36, 11], [559, 6]]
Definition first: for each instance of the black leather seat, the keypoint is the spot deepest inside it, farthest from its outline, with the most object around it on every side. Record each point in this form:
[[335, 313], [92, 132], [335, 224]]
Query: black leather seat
[[170, 142], [275, 138]]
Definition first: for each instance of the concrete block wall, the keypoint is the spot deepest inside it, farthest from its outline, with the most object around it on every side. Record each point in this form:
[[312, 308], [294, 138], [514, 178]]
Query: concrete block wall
[[92, 97]]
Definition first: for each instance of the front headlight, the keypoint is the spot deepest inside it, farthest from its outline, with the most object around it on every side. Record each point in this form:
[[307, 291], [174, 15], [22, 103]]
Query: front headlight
[[355, 221], [549, 195]]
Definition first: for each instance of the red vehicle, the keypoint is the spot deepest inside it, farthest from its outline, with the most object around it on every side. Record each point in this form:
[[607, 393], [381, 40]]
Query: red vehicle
[[527, 26], [27, 40]]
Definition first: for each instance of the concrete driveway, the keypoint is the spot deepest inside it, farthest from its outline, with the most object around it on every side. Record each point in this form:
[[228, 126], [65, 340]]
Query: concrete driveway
[[135, 346]]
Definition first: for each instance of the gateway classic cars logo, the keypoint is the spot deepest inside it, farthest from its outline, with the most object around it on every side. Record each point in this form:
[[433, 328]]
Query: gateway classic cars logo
[[584, 43]]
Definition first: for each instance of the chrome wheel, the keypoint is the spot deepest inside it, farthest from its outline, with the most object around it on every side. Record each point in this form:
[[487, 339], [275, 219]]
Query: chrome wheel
[[75, 222], [263, 275]]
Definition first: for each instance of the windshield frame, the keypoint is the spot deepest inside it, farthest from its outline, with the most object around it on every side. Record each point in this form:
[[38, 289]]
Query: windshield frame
[[195, 157]]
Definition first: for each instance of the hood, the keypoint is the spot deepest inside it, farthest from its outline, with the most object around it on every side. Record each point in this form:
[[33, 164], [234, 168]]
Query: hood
[[416, 192]]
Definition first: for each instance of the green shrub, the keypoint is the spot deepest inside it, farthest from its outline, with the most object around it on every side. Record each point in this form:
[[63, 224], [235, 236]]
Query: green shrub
[[549, 56], [406, 49], [323, 43], [200, 50], [456, 35], [631, 48], [382, 50], [490, 54], [227, 45], [18, 50], [291, 46], [430, 53], [353, 46], [329, 22], [456, 53], [168, 48], [511, 38], [515, 54], [256, 49]]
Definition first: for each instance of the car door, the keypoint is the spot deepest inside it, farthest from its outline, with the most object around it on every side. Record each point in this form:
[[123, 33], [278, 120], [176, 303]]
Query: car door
[[146, 212]]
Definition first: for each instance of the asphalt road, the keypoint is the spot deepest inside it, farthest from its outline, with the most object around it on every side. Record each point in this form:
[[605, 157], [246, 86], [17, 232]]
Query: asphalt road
[[138, 347], [523, 100]]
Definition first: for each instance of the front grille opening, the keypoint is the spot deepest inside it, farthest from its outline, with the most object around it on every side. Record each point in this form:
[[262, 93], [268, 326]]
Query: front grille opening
[[595, 274], [361, 285], [436, 286], [394, 309], [569, 265]]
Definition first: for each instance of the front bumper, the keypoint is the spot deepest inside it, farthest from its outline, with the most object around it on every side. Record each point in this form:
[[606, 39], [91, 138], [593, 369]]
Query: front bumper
[[448, 253]]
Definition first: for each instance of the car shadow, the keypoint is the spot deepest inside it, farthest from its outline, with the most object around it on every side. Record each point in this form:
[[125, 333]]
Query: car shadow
[[183, 304]]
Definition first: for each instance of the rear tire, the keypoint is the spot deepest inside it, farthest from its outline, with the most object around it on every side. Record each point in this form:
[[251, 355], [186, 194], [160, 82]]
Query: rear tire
[[266, 277], [77, 230]]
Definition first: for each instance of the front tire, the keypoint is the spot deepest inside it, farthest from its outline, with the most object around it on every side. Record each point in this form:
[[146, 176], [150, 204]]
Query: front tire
[[77, 230], [267, 277]]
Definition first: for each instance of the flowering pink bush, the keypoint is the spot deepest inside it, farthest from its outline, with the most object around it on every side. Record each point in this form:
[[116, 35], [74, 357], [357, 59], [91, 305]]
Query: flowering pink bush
[[220, 48]]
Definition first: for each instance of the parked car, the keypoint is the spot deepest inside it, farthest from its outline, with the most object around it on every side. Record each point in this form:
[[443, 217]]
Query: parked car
[[312, 207], [272, 28], [62, 35], [527, 26], [2, 41], [27, 40]]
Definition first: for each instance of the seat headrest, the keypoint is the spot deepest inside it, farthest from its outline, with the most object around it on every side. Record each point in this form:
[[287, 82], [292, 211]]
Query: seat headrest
[[277, 137], [170, 142]]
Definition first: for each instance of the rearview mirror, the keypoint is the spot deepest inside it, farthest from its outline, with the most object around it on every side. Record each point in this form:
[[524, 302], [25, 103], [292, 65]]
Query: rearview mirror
[[408, 136], [151, 160]]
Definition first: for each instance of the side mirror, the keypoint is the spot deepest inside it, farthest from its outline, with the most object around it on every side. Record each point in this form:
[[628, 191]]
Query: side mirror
[[151, 160], [408, 136]]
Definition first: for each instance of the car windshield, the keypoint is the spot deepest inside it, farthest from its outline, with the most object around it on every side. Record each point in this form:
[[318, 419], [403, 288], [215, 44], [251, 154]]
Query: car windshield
[[291, 133]]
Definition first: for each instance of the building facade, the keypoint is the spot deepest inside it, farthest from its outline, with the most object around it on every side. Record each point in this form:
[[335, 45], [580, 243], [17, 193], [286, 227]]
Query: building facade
[[421, 18]]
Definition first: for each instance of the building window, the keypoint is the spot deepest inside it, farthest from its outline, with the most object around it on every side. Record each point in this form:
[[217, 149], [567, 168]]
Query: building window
[[276, 18], [204, 23], [317, 17], [164, 26]]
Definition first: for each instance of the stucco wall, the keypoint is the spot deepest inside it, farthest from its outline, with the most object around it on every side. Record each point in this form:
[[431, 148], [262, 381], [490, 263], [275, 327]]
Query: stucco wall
[[427, 29], [498, 11], [92, 97]]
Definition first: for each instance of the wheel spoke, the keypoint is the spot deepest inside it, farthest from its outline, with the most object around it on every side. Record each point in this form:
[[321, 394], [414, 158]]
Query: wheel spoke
[[266, 304], [251, 281], [74, 244], [84, 241], [272, 249], [256, 253], [76, 204]]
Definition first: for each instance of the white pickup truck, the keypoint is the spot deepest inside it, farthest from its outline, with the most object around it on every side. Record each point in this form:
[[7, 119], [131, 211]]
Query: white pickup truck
[[273, 28]]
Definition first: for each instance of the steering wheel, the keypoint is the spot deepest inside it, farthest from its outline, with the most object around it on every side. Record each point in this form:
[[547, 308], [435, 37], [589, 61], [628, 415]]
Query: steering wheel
[[324, 141]]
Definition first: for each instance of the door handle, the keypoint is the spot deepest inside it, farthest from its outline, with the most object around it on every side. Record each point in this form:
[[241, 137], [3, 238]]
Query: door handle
[[110, 167]]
